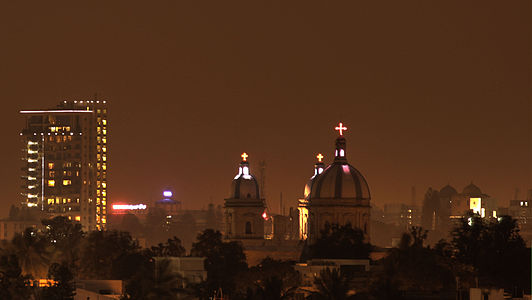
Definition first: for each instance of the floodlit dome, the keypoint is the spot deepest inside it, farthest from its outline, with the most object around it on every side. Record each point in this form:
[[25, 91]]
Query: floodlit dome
[[472, 190], [244, 184], [448, 191], [340, 179]]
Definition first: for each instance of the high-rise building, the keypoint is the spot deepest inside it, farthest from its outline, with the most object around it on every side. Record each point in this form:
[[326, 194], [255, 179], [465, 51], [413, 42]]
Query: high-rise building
[[65, 161]]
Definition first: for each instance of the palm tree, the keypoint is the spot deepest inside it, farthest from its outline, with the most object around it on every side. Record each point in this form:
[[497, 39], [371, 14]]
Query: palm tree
[[332, 285], [33, 251]]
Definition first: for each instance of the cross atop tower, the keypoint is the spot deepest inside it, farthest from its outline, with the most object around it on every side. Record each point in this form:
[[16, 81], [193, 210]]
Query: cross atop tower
[[340, 128], [244, 156], [319, 157]]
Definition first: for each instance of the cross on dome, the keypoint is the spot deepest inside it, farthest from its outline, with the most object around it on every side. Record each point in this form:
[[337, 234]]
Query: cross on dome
[[319, 157], [244, 156], [340, 128]]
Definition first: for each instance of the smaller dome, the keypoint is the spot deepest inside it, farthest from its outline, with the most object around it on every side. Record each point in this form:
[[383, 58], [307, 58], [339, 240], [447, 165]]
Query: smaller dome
[[448, 191], [244, 185], [318, 169], [472, 190]]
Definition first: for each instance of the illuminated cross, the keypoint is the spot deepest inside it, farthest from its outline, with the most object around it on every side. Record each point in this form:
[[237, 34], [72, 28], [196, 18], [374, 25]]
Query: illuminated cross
[[320, 157], [244, 156], [340, 128]]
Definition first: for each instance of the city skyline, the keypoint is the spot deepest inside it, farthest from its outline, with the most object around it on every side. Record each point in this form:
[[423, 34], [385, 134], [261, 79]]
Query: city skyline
[[446, 104]]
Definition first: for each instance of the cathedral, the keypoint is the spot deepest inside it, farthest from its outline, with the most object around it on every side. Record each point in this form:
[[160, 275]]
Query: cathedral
[[335, 194]]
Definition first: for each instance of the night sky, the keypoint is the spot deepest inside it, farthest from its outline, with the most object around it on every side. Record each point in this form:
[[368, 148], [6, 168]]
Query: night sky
[[432, 92]]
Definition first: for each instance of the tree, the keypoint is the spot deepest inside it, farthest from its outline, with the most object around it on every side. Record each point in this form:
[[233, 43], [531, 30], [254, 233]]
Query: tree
[[108, 255], [63, 288], [339, 242], [172, 247], [223, 261], [13, 284], [65, 237], [332, 285], [495, 250], [271, 279], [153, 281], [413, 267], [33, 251]]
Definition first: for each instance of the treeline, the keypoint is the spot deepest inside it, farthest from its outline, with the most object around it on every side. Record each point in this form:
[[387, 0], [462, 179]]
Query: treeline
[[480, 253]]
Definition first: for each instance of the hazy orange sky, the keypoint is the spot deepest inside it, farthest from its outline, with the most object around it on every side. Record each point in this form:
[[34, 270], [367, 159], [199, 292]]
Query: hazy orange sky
[[433, 92]]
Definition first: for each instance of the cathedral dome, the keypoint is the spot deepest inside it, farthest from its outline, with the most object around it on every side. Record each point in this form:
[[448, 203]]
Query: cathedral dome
[[472, 190], [244, 185], [340, 179], [448, 191]]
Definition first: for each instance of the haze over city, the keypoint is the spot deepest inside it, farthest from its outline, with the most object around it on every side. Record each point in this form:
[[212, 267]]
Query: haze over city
[[428, 98]]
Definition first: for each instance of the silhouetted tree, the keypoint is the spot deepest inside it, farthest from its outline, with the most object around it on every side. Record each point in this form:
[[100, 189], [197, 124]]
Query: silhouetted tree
[[172, 247], [495, 250], [332, 285], [33, 251], [223, 261], [104, 253], [13, 285], [65, 237], [64, 287], [339, 242]]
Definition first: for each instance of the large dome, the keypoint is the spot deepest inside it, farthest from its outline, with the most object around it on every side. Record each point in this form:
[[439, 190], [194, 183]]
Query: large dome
[[472, 190], [448, 191], [244, 185], [340, 179]]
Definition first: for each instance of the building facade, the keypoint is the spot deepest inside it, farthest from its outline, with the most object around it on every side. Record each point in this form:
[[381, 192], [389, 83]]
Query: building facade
[[64, 156], [337, 195]]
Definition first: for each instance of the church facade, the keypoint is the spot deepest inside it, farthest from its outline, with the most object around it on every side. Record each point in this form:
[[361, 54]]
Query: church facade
[[335, 194]]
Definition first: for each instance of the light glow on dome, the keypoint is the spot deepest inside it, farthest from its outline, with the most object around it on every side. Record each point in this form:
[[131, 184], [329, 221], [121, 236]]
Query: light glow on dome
[[345, 168], [167, 193], [342, 152]]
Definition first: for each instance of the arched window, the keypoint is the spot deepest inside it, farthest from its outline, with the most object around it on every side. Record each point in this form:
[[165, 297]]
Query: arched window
[[248, 227]]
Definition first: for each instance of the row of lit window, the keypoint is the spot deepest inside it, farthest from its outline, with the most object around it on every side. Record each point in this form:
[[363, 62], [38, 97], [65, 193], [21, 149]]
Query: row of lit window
[[103, 220], [102, 166], [102, 193], [65, 182], [102, 201], [62, 128], [100, 130], [99, 111], [51, 174], [103, 122], [61, 200], [102, 210], [101, 184], [59, 139], [101, 157], [100, 148], [101, 140]]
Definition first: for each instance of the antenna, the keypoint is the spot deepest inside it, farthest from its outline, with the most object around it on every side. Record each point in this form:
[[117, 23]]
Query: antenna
[[262, 172]]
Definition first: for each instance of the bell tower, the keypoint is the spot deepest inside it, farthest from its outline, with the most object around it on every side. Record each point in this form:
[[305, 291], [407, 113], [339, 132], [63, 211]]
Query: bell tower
[[244, 209]]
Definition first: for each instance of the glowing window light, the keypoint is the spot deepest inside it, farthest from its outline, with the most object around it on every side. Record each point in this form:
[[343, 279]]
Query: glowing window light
[[320, 170], [67, 182], [31, 160], [31, 169], [168, 193], [51, 182], [32, 178], [475, 205], [29, 204], [78, 218], [32, 151], [129, 206], [265, 215]]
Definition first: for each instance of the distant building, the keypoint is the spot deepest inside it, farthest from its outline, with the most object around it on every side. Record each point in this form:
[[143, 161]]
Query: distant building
[[64, 155]]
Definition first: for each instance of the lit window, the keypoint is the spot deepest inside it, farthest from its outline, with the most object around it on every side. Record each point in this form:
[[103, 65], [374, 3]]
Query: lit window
[[104, 185], [51, 182], [104, 193], [98, 201], [67, 182], [104, 158], [104, 132], [64, 200], [98, 210], [50, 165], [104, 166], [103, 202], [104, 140], [104, 122], [104, 149], [78, 218], [104, 220], [51, 174], [51, 201]]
